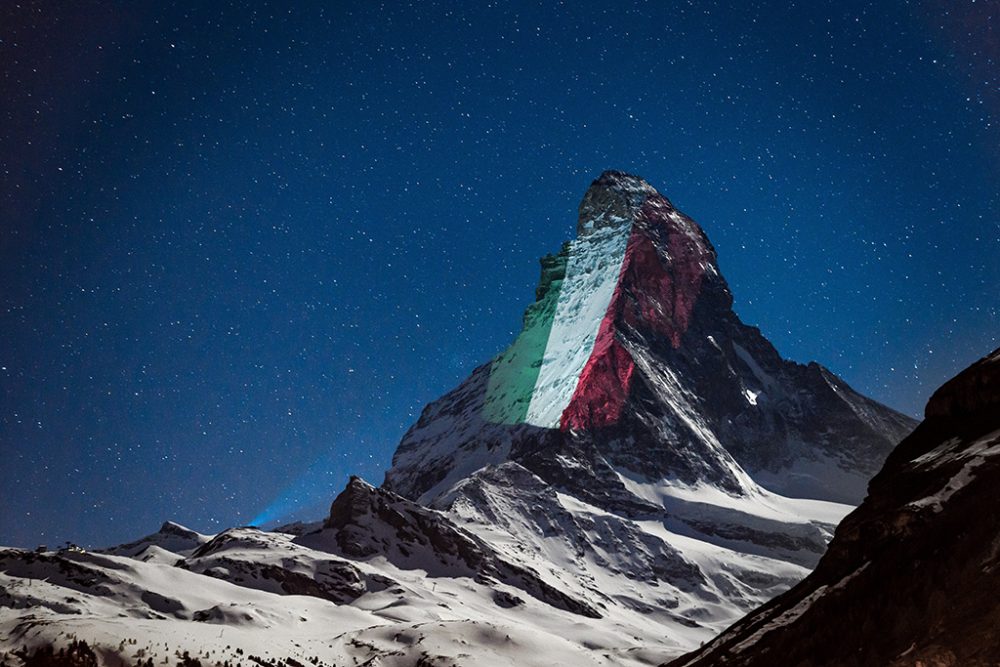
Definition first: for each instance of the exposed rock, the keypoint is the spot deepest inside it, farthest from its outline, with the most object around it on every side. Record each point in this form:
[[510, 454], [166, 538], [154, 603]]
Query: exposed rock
[[910, 578], [970, 393], [633, 359]]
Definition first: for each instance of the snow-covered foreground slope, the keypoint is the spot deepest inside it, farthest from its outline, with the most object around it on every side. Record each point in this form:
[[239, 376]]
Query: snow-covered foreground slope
[[530, 576], [128, 611]]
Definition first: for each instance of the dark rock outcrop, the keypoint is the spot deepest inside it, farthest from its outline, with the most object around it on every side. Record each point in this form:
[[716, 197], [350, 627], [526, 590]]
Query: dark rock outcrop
[[911, 576]]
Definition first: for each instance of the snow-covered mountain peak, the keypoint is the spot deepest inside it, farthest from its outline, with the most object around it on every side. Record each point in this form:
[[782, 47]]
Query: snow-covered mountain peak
[[632, 359], [172, 528], [638, 431], [171, 537]]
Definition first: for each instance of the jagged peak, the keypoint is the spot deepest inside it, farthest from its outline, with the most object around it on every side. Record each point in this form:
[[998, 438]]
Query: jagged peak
[[356, 482], [350, 503], [612, 200], [623, 180], [632, 339], [172, 528]]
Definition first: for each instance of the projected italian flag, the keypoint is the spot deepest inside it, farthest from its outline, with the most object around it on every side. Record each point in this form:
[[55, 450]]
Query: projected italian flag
[[567, 369]]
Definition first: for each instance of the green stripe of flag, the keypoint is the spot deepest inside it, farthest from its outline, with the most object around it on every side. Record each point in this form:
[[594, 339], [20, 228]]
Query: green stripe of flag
[[514, 373]]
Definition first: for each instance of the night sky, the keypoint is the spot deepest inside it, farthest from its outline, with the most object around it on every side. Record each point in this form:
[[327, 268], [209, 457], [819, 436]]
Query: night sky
[[242, 245]]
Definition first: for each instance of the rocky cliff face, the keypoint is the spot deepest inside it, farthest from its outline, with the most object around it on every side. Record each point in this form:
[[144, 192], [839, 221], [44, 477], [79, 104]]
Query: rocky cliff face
[[911, 576]]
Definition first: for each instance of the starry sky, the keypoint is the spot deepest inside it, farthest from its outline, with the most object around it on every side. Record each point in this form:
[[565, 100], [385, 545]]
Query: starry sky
[[242, 244]]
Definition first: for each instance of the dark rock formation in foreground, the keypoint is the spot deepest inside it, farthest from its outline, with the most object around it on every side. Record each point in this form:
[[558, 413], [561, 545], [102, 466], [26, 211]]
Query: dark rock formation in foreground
[[912, 576]]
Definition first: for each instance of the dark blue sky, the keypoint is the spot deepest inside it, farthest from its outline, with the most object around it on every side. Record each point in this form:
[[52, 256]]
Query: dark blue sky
[[242, 245]]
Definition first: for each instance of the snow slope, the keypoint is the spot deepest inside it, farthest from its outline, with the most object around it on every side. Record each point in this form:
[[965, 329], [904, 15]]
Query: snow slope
[[515, 572]]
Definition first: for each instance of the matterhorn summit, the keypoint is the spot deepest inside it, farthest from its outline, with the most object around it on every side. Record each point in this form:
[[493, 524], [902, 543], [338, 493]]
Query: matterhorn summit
[[632, 368], [634, 473]]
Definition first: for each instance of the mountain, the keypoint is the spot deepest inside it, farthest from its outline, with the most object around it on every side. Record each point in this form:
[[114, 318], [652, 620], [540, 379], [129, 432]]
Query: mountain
[[170, 540], [637, 471], [911, 576], [631, 362], [637, 444]]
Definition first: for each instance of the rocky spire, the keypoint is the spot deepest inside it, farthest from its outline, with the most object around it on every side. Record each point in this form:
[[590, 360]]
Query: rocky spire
[[633, 359], [613, 199]]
